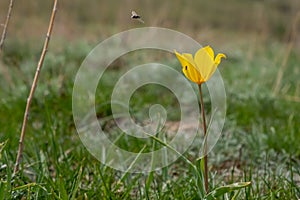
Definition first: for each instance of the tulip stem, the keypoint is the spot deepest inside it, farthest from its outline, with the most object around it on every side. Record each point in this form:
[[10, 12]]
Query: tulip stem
[[205, 143]]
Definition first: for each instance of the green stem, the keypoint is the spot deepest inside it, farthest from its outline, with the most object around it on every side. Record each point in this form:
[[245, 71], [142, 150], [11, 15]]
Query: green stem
[[205, 144]]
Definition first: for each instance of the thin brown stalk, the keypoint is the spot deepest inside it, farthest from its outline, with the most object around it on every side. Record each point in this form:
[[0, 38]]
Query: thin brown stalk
[[33, 86], [283, 67], [205, 143], [11, 4], [3, 36], [292, 98]]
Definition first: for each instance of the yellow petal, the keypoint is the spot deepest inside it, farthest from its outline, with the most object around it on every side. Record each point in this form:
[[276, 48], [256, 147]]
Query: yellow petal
[[204, 62], [218, 58], [189, 68], [217, 62], [210, 51], [193, 72], [189, 58], [183, 61]]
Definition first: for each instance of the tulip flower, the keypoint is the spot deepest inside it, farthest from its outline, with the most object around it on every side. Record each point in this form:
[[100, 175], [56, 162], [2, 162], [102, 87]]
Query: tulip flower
[[200, 68]]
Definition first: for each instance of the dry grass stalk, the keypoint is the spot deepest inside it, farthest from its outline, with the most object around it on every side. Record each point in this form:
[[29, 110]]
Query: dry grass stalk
[[34, 84], [6, 24], [3, 36], [293, 36], [292, 98]]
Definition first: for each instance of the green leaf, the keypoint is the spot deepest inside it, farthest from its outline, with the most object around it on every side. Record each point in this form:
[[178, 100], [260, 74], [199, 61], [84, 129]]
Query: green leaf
[[2, 146], [2, 189], [62, 190], [187, 161], [200, 178], [23, 187], [126, 173], [76, 183], [225, 189]]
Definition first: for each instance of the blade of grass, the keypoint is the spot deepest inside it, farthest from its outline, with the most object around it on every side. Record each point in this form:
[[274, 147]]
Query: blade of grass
[[225, 189], [195, 169], [3, 188], [200, 178], [4, 184], [165, 160], [2, 146], [236, 195], [132, 164], [111, 147], [62, 190], [171, 148], [107, 191], [128, 188], [76, 183], [9, 179], [151, 174], [126, 173], [148, 184], [22, 187]]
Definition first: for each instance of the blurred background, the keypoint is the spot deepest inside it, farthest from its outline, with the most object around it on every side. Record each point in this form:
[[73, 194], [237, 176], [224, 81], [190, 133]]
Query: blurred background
[[255, 34], [260, 38], [206, 21]]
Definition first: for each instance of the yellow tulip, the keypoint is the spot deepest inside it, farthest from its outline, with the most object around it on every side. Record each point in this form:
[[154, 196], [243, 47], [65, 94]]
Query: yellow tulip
[[200, 68]]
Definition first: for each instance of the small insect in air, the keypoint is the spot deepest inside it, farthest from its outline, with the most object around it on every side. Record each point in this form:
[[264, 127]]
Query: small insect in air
[[135, 16]]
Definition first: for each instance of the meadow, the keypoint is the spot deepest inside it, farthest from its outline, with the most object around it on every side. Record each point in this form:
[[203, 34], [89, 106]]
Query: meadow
[[261, 135]]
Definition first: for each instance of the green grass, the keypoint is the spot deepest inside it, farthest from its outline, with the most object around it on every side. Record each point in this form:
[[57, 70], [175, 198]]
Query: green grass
[[260, 141]]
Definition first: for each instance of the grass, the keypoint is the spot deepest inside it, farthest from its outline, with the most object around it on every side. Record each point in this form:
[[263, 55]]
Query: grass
[[259, 143]]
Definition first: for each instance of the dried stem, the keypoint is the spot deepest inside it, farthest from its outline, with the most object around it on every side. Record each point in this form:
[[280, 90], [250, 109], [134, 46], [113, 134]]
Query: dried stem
[[34, 84], [293, 36], [205, 143], [3, 36], [6, 24]]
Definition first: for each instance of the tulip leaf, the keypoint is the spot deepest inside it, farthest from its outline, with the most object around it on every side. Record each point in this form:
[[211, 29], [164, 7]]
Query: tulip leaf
[[225, 189]]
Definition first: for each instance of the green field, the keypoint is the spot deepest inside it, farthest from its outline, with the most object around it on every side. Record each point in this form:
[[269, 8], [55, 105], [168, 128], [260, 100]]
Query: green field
[[261, 136]]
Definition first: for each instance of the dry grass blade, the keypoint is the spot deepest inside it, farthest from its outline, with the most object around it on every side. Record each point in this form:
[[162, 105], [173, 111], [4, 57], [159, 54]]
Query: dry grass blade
[[283, 66], [6, 24], [3, 36], [34, 84]]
